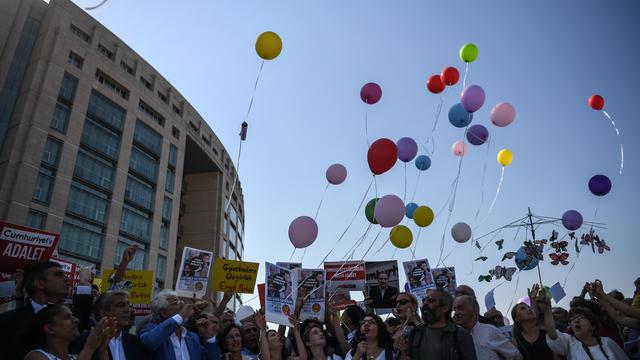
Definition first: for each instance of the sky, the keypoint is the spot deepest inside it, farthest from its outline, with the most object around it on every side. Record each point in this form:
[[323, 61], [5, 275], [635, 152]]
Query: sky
[[544, 57]]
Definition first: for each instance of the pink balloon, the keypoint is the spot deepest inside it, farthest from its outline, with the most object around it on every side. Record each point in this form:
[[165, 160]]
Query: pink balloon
[[371, 93], [336, 174], [524, 300], [389, 211], [459, 148], [503, 114], [303, 231]]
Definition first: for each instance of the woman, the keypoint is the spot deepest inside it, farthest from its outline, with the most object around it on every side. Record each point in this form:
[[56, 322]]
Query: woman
[[315, 343], [527, 335], [372, 341], [231, 343], [406, 309], [272, 344], [54, 327]]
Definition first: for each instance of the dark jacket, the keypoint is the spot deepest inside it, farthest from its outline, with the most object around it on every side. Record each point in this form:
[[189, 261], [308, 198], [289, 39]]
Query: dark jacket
[[455, 343], [132, 346], [13, 326], [385, 301]]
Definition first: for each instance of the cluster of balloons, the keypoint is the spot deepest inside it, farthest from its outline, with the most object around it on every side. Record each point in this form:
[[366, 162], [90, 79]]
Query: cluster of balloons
[[448, 77]]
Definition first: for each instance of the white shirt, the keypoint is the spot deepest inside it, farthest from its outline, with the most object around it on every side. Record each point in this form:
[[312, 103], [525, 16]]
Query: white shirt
[[570, 347], [349, 356], [180, 345], [36, 307], [116, 348], [491, 344]]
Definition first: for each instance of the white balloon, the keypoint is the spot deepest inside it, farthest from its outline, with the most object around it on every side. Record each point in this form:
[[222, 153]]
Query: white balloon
[[461, 232], [244, 312]]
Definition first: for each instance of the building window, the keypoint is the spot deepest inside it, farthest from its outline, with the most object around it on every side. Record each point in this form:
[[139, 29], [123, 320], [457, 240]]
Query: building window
[[139, 193], [44, 183], [143, 164], [164, 235], [79, 33], [100, 139], [150, 112], [106, 52], [139, 261], [107, 81], [94, 170], [173, 156], [36, 219], [106, 110], [167, 208], [206, 139], [128, 69], [175, 132], [60, 117], [136, 224], [176, 109], [145, 82], [68, 88], [170, 181], [88, 203], [163, 97], [75, 60], [148, 138], [81, 238], [161, 268], [51, 153]]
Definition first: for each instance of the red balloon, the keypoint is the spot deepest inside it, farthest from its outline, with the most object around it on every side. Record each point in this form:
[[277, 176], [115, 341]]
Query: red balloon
[[435, 84], [596, 102], [382, 155], [450, 76]]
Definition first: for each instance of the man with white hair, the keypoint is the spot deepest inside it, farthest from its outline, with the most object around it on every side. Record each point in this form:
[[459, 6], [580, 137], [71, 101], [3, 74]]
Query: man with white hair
[[165, 337]]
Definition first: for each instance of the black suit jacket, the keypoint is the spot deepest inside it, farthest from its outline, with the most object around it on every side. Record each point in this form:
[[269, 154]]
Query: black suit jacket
[[133, 348], [13, 326], [385, 301]]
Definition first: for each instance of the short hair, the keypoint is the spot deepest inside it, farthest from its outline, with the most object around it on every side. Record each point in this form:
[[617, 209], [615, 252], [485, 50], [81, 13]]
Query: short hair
[[160, 302], [382, 273], [446, 300], [470, 300], [355, 313], [465, 287], [412, 298], [587, 313], [35, 273], [104, 301]]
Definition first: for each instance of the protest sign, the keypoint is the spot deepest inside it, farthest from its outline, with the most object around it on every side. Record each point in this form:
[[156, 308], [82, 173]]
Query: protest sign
[[193, 275], [71, 271], [140, 288], [21, 246], [419, 277], [557, 292], [489, 300], [261, 294], [7, 288], [445, 278], [381, 285], [236, 276], [281, 299], [312, 284], [289, 265], [342, 277]]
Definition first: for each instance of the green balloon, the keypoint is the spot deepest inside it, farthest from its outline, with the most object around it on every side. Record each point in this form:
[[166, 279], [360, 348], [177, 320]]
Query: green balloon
[[369, 210], [468, 52]]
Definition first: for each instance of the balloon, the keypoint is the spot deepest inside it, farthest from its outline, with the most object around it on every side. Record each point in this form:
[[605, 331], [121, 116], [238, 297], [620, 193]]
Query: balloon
[[409, 209], [503, 114], [459, 117], [468, 52], [423, 162], [572, 220], [336, 174], [268, 45], [505, 156], [459, 148], [401, 237], [423, 216], [303, 231], [450, 76], [477, 134], [407, 149], [461, 232], [243, 312], [435, 84], [382, 155], [524, 300], [472, 98], [524, 261], [596, 102], [371, 93], [600, 185], [370, 209], [389, 211]]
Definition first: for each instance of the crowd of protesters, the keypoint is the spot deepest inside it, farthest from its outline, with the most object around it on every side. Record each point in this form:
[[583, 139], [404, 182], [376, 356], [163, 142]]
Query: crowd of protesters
[[598, 325]]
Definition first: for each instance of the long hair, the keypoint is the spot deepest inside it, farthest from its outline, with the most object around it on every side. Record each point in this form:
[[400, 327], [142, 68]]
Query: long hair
[[307, 335], [222, 339], [385, 341], [284, 354], [587, 313], [35, 335]]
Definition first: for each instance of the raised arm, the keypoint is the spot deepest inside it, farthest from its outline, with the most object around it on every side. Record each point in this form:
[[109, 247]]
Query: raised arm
[[265, 353], [228, 295], [127, 256], [334, 321], [295, 328]]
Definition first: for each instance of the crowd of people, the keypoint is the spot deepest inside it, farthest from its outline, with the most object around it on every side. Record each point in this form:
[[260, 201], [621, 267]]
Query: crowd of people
[[444, 325]]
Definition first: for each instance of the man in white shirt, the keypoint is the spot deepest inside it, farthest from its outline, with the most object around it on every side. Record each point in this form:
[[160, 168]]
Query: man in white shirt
[[488, 341]]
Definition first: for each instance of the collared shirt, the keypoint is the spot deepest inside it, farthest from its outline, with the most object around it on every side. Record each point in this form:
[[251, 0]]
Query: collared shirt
[[491, 344], [180, 345], [37, 307], [116, 348]]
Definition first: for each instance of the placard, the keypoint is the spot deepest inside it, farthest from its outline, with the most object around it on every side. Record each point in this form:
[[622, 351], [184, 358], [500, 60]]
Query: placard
[[71, 270], [419, 279], [445, 278], [312, 284], [236, 276], [345, 275], [281, 297], [7, 288], [141, 282], [21, 246], [381, 285], [289, 265], [193, 275]]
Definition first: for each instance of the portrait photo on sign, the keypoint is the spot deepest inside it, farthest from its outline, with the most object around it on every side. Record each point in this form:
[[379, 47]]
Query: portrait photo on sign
[[419, 279], [280, 297], [193, 275], [312, 287], [381, 283], [445, 278]]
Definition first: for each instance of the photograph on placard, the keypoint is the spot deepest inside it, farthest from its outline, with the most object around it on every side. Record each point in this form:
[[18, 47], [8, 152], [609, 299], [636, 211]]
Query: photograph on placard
[[445, 278], [419, 279], [193, 275], [289, 265], [382, 283], [312, 287], [280, 295], [341, 278]]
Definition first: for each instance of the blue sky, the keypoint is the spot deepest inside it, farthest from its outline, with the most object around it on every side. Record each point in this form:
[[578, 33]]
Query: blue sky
[[544, 57]]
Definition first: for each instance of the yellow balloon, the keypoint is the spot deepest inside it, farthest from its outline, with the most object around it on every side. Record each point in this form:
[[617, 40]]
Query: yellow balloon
[[423, 216], [505, 156], [401, 237], [268, 45]]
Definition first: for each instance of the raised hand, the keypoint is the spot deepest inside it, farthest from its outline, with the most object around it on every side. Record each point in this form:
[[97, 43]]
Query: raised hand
[[206, 328], [187, 312], [533, 292], [261, 322], [295, 322], [129, 253]]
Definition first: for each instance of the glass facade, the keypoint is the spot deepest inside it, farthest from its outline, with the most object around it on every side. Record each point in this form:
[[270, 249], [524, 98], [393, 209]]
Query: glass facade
[[148, 138], [94, 170], [60, 117], [51, 153], [105, 110], [68, 88], [161, 268], [167, 208], [173, 156], [139, 193], [81, 238], [170, 183], [87, 204], [139, 261], [100, 139], [136, 224], [143, 164], [44, 184], [36, 219], [164, 236]]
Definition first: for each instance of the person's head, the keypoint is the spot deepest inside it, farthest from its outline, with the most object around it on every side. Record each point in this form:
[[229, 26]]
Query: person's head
[[616, 294], [522, 313], [436, 306], [637, 284], [495, 317], [406, 305], [205, 258], [226, 319], [351, 317], [165, 305], [114, 303], [54, 323], [250, 333], [583, 322], [46, 281], [372, 328], [314, 337], [423, 265], [276, 343], [560, 315], [392, 324], [383, 280], [319, 277], [231, 340], [464, 290], [466, 311]]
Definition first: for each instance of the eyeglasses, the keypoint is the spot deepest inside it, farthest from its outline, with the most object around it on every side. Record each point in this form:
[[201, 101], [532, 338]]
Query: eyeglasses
[[403, 302], [577, 318], [368, 322]]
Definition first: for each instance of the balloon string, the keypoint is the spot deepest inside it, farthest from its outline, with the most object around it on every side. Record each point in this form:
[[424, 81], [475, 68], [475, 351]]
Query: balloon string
[[618, 133], [455, 190], [375, 184], [514, 292], [595, 215], [255, 86], [464, 80], [415, 246], [415, 189], [484, 173], [497, 192], [438, 112], [321, 200], [303, 254], [235, 178], [97, 6], [404, 197], [294, 251], [446, 226]]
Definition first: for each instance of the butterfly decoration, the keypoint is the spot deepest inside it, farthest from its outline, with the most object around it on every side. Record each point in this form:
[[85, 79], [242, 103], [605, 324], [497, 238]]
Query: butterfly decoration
[[508, 255], [602, 246], [486, 278], [478, 245], [483, 258], [589, 239], [533, 250], [500, 243], [501, 271], [560, 246], [559, 258], [554, 236], [572, 236]]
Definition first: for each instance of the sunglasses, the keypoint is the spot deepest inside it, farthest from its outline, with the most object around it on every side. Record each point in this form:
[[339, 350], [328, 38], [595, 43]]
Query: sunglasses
[[403, 302], [429, 299]]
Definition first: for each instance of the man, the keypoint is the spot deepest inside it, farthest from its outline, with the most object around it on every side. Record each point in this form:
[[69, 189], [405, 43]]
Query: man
[[44, 283], [495, 316], [489, 342], [468, 291], [561, 318], [438, 337], [382, 295], [124, 346], [250, 333], [165, 337]]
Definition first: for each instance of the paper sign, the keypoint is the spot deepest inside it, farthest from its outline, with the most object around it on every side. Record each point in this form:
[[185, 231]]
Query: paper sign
[[445, 278], [21, 246], [557, 292], [281, 299], [236, 276], [71, 270], [347, 275], [261, 294], [419, 279], [489, 300], [381, 285], [289, 265], [141, 284], [312, 283], [193, 275]]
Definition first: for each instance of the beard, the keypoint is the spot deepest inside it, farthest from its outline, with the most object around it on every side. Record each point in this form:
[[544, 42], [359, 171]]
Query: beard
[[429, 316]]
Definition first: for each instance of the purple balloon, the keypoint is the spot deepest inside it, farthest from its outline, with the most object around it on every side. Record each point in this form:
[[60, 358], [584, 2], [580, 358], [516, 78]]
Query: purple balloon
[[371, 93], [572, 220], [600, 185], [389, 211], [303, 231], [407, 149], [472, 98], [336, 174], [477, 134]]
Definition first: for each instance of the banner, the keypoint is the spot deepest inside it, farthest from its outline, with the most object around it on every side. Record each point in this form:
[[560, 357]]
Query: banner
[[312, 284], [21, 246], [193, 275], [419, 277], [281, 297], [140, 290], [445, 278], [382, 283], [342, 277], [236, 276]]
